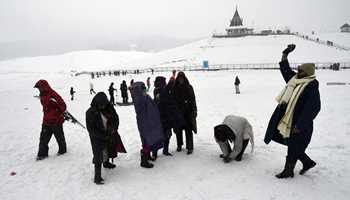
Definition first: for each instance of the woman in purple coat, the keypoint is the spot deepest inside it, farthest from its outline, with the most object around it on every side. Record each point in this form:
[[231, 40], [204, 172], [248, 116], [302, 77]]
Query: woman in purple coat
[[148, 122]]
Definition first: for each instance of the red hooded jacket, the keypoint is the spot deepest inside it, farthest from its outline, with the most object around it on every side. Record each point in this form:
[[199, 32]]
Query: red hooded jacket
[[53, 104]]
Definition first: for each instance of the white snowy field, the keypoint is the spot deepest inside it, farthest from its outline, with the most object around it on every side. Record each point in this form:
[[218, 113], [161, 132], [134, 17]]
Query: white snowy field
[[199, 176]]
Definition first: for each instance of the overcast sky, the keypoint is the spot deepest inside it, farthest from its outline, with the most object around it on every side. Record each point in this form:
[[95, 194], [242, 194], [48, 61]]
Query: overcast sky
[[35, 19]]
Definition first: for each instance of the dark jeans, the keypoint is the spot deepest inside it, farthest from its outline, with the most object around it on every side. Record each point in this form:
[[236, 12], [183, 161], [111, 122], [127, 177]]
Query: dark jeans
[[125, 99], [297, 145], [45, 136], [189, 138], [245, 143], [112, 99]]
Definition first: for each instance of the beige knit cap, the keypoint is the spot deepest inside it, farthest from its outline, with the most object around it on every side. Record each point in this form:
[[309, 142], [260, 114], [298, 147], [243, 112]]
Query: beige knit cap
[[308, 68]]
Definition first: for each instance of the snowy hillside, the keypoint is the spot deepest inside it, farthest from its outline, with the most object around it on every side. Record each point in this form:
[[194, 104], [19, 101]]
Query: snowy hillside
[[244, 50], [339, 38], [92, 60], [202, 175]]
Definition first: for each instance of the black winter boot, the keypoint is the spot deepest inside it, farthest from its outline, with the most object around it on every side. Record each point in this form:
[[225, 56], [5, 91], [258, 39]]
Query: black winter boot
[[98, 179], [108, 165], [154, 156], [144, 161], [288, 170], [307, 163]]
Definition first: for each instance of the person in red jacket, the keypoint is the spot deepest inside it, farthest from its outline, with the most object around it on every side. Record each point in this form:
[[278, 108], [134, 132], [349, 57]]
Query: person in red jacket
[[53, 109]]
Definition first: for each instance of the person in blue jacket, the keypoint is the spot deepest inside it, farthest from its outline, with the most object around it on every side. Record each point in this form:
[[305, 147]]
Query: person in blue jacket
[[291, 123], [148, 122]]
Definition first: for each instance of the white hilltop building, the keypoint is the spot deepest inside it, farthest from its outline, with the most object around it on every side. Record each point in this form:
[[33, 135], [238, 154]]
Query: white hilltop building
[[236, 28]]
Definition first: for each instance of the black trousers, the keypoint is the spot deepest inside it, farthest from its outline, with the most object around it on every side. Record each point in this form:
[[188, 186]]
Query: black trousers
[[245, 143], [297, 144], [125, 99], [189, 138], [112, 99], [45, 136]]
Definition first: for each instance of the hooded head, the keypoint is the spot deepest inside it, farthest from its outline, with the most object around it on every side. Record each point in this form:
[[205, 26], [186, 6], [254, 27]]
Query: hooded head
[[222, 133], [43, 86], [307, 69], [181, 79], [100, 101], [138, 89], [160, 82]]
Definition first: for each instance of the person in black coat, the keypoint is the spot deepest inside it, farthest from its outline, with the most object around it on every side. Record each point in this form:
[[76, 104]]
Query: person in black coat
[[306, 108], [111, 90], [102, 123], [124, 91], [72, 93], [169, 114], [237, 82], [186, 103]]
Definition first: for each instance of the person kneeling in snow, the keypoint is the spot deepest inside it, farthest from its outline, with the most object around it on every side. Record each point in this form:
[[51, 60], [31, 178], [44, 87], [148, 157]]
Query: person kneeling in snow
[[102, 123], [234, 129], [148, 122]]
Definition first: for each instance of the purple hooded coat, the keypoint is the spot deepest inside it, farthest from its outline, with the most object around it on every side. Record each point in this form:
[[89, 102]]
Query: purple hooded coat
[[148, 118]]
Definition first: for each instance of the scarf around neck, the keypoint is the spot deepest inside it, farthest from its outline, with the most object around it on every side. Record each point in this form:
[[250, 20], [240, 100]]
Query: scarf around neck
[[290, 95]]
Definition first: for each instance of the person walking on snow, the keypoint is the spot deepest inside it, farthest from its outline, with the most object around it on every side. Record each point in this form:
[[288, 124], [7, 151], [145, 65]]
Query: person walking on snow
[[186, 103], [237, 130], [102, 123], [148, 123], [148, 82], [111, 90], [237, 83], [71, 93], [53, 109], [92, 91], [291, 123]]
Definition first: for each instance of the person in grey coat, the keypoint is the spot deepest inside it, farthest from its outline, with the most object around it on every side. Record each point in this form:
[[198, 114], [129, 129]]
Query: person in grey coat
[[148, 122], [234, 129]]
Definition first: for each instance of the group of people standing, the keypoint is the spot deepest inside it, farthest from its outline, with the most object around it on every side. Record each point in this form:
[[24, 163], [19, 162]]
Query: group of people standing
[[173, 108]]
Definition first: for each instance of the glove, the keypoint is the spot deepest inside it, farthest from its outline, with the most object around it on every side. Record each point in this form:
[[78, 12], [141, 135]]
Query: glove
[[289, 49]]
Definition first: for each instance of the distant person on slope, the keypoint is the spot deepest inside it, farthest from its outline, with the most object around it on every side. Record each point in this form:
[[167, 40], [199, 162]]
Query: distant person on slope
[[102, 123], [71, 93], [237, 130], [148, 82], [124, 91], [111, 90], [148, 123], [237, 83], [186, 103], [92, 91], [173, 77], [53, 108], [291, 123]]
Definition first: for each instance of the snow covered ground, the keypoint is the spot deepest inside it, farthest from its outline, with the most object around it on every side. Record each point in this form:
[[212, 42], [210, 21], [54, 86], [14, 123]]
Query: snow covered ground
[[199, 176]]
